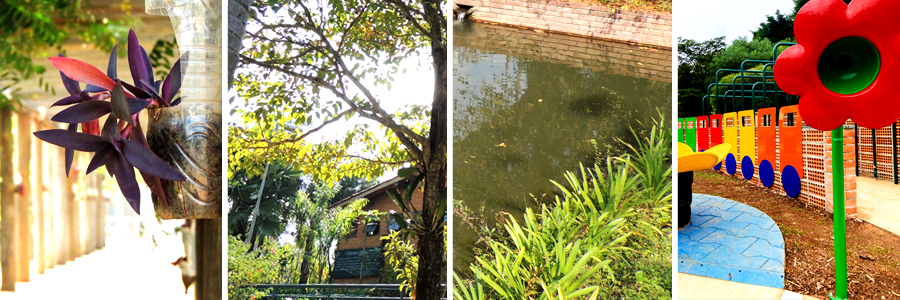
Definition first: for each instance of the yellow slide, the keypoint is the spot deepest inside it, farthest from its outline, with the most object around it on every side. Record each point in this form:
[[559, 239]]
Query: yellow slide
[[688, 160]]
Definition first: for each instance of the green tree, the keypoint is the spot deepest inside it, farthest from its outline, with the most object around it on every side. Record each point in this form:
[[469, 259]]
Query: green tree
[[776, 28], [318, 66], [275, 208], [318, 228], [36, 29], [742, 49], [695, 72]]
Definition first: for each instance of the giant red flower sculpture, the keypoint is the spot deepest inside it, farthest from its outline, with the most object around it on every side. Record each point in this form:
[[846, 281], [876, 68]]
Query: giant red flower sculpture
[[846, 64]]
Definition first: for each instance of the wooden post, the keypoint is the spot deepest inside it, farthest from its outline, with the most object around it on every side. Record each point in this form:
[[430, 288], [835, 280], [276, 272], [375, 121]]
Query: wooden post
[[64, 187], [49, 187], [23, 205], [101, 214], [7, 204], [76, 210], [40, 219], [209, 260], [70, 229]]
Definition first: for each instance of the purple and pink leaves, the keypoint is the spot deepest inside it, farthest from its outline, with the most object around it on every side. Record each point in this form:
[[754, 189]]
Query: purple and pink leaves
[[118, 154], [120, 145]]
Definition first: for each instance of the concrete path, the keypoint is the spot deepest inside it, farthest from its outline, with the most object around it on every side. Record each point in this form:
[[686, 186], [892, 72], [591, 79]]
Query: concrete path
[[878, 202], [125, 269], [699, 287], [731, 241]]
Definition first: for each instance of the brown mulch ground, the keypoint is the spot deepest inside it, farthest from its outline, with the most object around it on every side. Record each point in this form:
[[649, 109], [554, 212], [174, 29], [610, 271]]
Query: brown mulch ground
[[873, 254]]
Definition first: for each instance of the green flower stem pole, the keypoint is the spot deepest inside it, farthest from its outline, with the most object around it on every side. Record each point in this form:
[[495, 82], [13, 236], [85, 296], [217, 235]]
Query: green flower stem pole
[[840, 226]]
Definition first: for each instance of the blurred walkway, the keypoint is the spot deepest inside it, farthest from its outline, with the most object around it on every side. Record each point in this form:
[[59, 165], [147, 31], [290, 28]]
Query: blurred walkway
[[878, 202], [126, 269]]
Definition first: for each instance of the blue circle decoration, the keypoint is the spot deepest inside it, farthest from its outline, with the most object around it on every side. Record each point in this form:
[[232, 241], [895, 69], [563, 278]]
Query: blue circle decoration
[[747, 168], [766, 173], [790, 180], [718, 166], [730, 164]]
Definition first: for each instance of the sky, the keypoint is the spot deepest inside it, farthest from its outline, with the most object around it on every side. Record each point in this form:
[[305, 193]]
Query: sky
[[702, 20]]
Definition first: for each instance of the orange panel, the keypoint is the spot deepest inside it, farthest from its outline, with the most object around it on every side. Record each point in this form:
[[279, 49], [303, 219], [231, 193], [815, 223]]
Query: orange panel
[[791, 138], [766, 134]]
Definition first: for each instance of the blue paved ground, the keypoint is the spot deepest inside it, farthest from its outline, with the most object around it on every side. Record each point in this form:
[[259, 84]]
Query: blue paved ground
[[732, 241]]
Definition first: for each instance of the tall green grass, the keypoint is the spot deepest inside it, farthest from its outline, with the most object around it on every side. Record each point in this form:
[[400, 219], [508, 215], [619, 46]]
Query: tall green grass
[[608, 236]]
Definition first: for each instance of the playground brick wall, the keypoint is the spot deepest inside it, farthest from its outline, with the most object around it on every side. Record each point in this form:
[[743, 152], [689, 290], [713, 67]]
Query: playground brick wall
[[580, 52], [576, 18], [816, 183], [879, 144]]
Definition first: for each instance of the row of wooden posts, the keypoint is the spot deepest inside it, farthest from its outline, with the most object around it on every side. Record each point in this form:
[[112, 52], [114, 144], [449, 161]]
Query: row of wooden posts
[[46, 217]]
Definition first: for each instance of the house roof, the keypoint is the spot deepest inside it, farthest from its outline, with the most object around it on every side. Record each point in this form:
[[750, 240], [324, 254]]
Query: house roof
[[377, 189]]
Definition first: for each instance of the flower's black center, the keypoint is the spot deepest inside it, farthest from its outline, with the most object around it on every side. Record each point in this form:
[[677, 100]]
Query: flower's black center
[[849, 65]]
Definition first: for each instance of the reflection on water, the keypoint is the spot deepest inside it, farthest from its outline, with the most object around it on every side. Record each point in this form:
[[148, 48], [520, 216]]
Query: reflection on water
[[526, 106]]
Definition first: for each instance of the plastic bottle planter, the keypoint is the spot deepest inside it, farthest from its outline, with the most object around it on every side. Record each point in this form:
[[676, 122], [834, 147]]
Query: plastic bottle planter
[[846, 64], [189, 136]]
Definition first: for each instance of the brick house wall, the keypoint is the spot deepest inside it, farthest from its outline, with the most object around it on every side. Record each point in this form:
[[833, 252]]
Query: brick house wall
[[380, 201], [584, 19]]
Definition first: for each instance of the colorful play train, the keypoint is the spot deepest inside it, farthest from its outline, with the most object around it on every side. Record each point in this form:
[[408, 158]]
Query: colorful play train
[[753, 136]]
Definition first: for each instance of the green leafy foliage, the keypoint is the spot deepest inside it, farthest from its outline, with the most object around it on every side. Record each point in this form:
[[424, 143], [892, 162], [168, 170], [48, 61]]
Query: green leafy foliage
[[694, 71], [37, 29], [297, 74], [318, 228], [775, 28], [402, 259], [246, 266], [607, 237]]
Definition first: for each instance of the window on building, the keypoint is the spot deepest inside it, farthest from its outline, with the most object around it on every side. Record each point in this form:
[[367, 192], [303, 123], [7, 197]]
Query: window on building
[[372, 228], [392, 225]]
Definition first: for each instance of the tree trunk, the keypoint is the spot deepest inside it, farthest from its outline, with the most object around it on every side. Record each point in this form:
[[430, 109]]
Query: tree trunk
[[238, 14], [7, 203], [432, 258], [307, 259]]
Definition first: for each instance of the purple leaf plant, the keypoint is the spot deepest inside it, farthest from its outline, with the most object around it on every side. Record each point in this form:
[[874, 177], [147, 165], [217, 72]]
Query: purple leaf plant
[[120, 144]]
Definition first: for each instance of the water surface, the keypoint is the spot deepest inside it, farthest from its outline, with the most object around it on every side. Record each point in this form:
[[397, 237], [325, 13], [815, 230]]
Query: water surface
[[527, 105]]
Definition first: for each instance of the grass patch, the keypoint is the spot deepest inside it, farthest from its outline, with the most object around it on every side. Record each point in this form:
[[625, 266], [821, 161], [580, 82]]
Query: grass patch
[[639, 5]]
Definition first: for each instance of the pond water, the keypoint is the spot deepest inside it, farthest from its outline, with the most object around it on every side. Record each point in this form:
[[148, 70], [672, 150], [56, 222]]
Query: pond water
[[527, 105]]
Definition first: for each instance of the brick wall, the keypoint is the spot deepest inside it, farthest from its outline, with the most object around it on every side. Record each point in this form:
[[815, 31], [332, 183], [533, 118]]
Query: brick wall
[[576, 51], [882, 150], [817, 180], [591, 20], [382, 202]]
